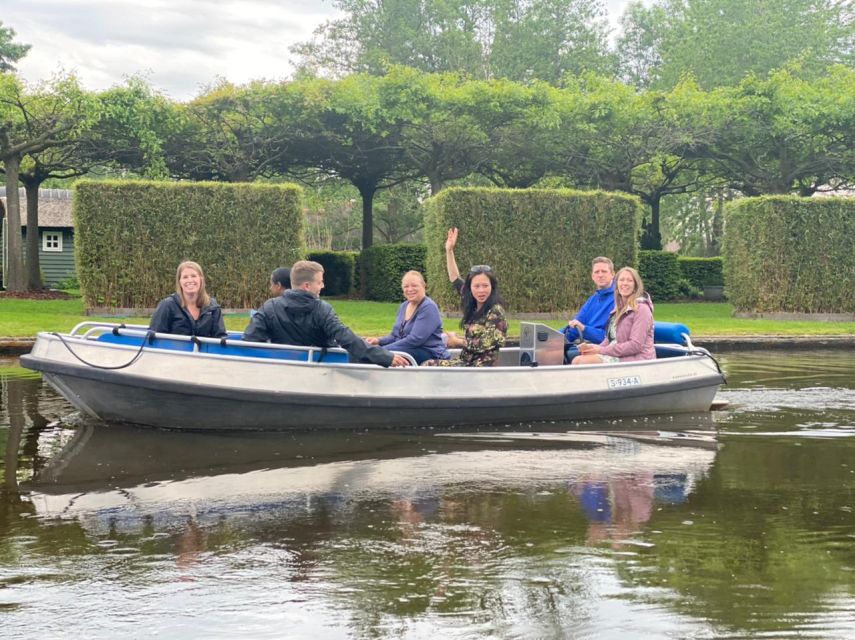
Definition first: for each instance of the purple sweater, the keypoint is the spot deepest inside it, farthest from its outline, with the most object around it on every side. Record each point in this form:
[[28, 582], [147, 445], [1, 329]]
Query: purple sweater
[[423, 330], [633, 335]]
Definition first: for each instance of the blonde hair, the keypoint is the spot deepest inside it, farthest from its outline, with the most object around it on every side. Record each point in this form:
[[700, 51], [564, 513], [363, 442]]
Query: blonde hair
[[603, 260], [202, 299], [304, 271], [638, 292], [417, 274]]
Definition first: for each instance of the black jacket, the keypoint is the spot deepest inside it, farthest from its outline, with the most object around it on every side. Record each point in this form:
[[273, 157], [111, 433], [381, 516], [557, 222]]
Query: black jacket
[[298, 317], [171, 317]]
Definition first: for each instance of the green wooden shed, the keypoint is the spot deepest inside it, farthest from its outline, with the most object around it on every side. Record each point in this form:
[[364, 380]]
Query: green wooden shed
[[56, 234]]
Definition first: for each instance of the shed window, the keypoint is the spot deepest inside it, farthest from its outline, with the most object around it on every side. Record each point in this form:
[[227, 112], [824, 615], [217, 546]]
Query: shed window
[[51, 241]]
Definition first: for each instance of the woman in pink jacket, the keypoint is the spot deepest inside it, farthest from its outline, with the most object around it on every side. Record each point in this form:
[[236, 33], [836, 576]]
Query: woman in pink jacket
[[629, 335]]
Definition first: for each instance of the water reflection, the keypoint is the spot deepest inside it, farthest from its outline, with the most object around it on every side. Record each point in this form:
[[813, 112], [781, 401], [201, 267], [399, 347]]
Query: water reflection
[[595, 529]]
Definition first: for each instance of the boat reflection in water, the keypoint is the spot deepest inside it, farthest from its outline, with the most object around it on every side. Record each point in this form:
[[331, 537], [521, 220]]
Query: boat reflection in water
[[121, 477]]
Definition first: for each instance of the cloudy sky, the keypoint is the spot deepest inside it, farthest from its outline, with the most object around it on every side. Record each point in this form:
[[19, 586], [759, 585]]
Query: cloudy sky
[[179, 46]]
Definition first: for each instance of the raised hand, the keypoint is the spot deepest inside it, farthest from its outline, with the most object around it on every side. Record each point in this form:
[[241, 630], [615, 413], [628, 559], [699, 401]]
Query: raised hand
[[451, 239]]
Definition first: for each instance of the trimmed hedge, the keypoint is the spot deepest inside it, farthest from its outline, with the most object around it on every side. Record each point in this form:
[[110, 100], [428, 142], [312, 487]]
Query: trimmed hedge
[[663, 277], [539, 242], [660, 272], [339, 270], [385, 264], [702, 272], [790, 254], [131, 235]]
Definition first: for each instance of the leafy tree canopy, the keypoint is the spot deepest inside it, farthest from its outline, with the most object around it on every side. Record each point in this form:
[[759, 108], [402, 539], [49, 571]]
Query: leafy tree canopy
[[10, 51], [516, 39], [719, 42]]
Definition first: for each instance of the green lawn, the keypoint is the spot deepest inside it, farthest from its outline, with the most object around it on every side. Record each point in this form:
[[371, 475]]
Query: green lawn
[[23, 318]]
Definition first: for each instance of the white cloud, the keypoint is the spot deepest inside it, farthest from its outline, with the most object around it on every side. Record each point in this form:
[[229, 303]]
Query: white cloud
[[178, 45]]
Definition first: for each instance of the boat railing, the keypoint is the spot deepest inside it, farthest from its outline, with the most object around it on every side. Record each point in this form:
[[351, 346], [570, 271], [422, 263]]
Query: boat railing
[[104, 331]]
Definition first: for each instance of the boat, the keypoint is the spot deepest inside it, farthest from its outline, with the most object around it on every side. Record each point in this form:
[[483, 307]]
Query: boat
[[125, 373]]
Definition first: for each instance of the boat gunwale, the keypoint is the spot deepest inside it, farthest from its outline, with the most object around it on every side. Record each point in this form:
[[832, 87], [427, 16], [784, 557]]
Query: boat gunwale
[[697, 353]]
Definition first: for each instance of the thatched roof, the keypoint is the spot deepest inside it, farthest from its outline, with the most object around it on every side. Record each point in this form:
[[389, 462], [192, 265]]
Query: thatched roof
[[54, 207]]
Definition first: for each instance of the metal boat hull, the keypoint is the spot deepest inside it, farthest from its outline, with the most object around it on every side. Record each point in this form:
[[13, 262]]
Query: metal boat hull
[[203, 391]]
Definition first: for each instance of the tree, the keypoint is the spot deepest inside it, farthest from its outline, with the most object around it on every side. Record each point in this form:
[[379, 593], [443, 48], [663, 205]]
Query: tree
[[132, 131], [346, 129], [231, 133], [374, 35], [31, 121], [719, 42], [517, 39], [786, 134], [10, 51], [549, 40], [527, 128], [443, 138], [455, 127], [639, 46], [638, 143]]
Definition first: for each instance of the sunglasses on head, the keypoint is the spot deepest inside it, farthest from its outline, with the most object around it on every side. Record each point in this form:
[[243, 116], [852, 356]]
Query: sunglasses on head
[[481, 268]]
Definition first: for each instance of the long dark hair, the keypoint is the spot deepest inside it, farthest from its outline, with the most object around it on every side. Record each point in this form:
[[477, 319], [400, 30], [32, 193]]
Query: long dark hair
[[468, 304]]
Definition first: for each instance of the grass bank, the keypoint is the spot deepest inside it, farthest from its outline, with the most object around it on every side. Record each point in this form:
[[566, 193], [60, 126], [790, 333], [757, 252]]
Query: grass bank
[[25, 318]]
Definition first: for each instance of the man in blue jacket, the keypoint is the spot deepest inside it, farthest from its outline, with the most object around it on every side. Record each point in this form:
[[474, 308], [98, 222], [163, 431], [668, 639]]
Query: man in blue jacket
[[591, 321]]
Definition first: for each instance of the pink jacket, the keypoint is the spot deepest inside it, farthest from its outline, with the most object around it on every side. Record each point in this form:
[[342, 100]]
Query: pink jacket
[[634, 335]]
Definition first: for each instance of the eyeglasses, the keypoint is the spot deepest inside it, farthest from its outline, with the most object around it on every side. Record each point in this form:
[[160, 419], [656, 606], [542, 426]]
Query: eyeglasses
[[481, 268]]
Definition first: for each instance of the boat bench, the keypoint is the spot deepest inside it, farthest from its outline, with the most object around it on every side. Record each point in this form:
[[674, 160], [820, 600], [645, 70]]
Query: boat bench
[[247, 349]]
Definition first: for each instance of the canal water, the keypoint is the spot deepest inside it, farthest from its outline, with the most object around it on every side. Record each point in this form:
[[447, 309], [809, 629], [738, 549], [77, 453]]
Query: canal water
[[736, 524]]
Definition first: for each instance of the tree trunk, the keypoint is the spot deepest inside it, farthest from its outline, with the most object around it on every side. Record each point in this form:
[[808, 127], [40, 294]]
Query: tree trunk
[[367, 192], [34, 268], [652, 238], [436, 185], [15, 259]]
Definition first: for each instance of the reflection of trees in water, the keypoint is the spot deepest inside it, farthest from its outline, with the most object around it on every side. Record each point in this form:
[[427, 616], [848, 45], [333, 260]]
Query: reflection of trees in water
[[461, 553], [19, 404], [767, 534]]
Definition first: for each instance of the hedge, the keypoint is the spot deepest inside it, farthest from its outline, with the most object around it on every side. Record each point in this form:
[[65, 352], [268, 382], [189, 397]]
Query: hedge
[[660, 272], [790, 254], [540, 243], [702, 272], [385, 264], [131, 235], [339, 270]]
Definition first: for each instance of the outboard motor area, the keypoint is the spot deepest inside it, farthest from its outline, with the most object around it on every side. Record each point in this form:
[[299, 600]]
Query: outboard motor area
[[540, 345]]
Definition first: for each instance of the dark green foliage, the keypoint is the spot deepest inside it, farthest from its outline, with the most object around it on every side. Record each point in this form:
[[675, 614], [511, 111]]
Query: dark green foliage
[[662, 277], [790, 254], [385, 265], [339, 267], [131, 236], [540, 243], [702, 272]]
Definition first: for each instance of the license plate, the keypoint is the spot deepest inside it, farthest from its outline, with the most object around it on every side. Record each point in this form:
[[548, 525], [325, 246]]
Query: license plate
[[625, 381]]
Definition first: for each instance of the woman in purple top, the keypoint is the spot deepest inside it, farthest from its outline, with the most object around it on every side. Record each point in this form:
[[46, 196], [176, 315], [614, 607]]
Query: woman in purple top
[[629, 335], [418, 325]]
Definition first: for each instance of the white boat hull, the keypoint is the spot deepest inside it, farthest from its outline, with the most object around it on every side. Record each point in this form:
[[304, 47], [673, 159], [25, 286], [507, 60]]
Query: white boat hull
[[205, 391]]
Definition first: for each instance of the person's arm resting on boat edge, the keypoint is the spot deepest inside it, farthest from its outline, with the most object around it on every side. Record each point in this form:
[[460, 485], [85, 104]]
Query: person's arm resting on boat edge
[[355, 346]]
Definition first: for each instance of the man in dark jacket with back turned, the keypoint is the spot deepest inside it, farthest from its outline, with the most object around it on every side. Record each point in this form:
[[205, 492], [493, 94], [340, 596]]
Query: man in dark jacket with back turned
[[300, 317]]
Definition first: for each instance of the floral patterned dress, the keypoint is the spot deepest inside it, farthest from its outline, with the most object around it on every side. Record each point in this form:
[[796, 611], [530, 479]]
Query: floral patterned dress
[[483, 339]]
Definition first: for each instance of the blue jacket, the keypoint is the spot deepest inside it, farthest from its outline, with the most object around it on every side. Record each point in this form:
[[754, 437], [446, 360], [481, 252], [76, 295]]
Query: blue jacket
[[594, 314]]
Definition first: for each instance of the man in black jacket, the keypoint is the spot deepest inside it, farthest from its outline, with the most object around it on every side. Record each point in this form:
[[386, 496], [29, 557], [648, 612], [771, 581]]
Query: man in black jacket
[[300, 317]]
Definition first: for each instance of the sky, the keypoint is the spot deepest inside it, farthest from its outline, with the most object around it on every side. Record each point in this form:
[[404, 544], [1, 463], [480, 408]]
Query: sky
[[178, 46]]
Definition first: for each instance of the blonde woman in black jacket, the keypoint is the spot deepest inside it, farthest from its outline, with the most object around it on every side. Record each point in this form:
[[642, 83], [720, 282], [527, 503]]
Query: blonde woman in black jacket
[[190, 311]]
